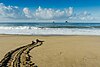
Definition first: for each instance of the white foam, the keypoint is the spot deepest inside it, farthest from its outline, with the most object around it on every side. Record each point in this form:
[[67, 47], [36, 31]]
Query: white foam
[[17, 27], [47, 31]]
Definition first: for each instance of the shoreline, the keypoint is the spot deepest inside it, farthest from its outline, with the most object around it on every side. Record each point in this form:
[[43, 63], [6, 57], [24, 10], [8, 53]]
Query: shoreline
[[45, 35]]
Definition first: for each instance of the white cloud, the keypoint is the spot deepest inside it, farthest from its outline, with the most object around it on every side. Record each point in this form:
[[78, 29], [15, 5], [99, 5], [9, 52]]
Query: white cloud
[[27, 13], [85, 16], [52, 14], [48, 14], [10, 11], [14, 12], [43, 13], [69, 11]]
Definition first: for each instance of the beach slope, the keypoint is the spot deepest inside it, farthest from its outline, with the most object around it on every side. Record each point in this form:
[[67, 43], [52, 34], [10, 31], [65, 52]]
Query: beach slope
[[57, 51]]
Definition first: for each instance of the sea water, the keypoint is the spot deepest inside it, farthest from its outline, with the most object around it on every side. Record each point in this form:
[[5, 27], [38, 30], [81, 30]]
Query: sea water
[[37, 28]]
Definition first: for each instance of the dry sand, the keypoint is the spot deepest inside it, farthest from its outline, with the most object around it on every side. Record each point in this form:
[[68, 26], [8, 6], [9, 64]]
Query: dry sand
[[57, 51]]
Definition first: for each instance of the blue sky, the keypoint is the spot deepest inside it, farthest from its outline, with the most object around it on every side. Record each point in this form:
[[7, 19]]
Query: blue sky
[[52, 3], [76, 10]]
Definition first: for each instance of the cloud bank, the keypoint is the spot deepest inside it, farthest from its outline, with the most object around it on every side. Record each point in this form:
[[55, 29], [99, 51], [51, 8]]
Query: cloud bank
[[15, 13], [10, 11]]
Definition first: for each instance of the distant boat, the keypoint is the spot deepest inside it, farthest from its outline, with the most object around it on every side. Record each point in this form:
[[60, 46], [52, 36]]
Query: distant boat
[[66, 21], [53, 21]]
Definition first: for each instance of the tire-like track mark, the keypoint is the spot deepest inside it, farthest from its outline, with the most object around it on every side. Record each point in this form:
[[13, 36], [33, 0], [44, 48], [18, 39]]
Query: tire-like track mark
[[14, 57]]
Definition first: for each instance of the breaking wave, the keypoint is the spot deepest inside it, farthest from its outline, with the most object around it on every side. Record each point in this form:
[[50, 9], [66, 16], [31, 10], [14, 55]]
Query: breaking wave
[[50, 29]]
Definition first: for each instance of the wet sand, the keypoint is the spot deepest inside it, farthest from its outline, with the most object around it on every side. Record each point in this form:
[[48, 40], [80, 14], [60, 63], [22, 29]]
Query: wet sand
[[57, 51]]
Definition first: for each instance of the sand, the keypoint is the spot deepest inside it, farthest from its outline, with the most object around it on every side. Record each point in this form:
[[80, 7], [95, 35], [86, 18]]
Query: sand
[[57, 51]]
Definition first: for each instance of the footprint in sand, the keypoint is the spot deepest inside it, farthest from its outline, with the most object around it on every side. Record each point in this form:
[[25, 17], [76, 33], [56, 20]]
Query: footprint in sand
[[20, 57]]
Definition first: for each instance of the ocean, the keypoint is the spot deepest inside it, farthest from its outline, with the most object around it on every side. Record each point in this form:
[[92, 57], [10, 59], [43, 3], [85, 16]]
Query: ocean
[[50, 28]]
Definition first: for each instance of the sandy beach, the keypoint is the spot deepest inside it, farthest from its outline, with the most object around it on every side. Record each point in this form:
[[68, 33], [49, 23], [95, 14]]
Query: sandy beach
[[57, 51]]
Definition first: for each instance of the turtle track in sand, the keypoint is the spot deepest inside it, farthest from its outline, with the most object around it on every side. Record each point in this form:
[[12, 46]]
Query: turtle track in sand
[[20, 57]]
